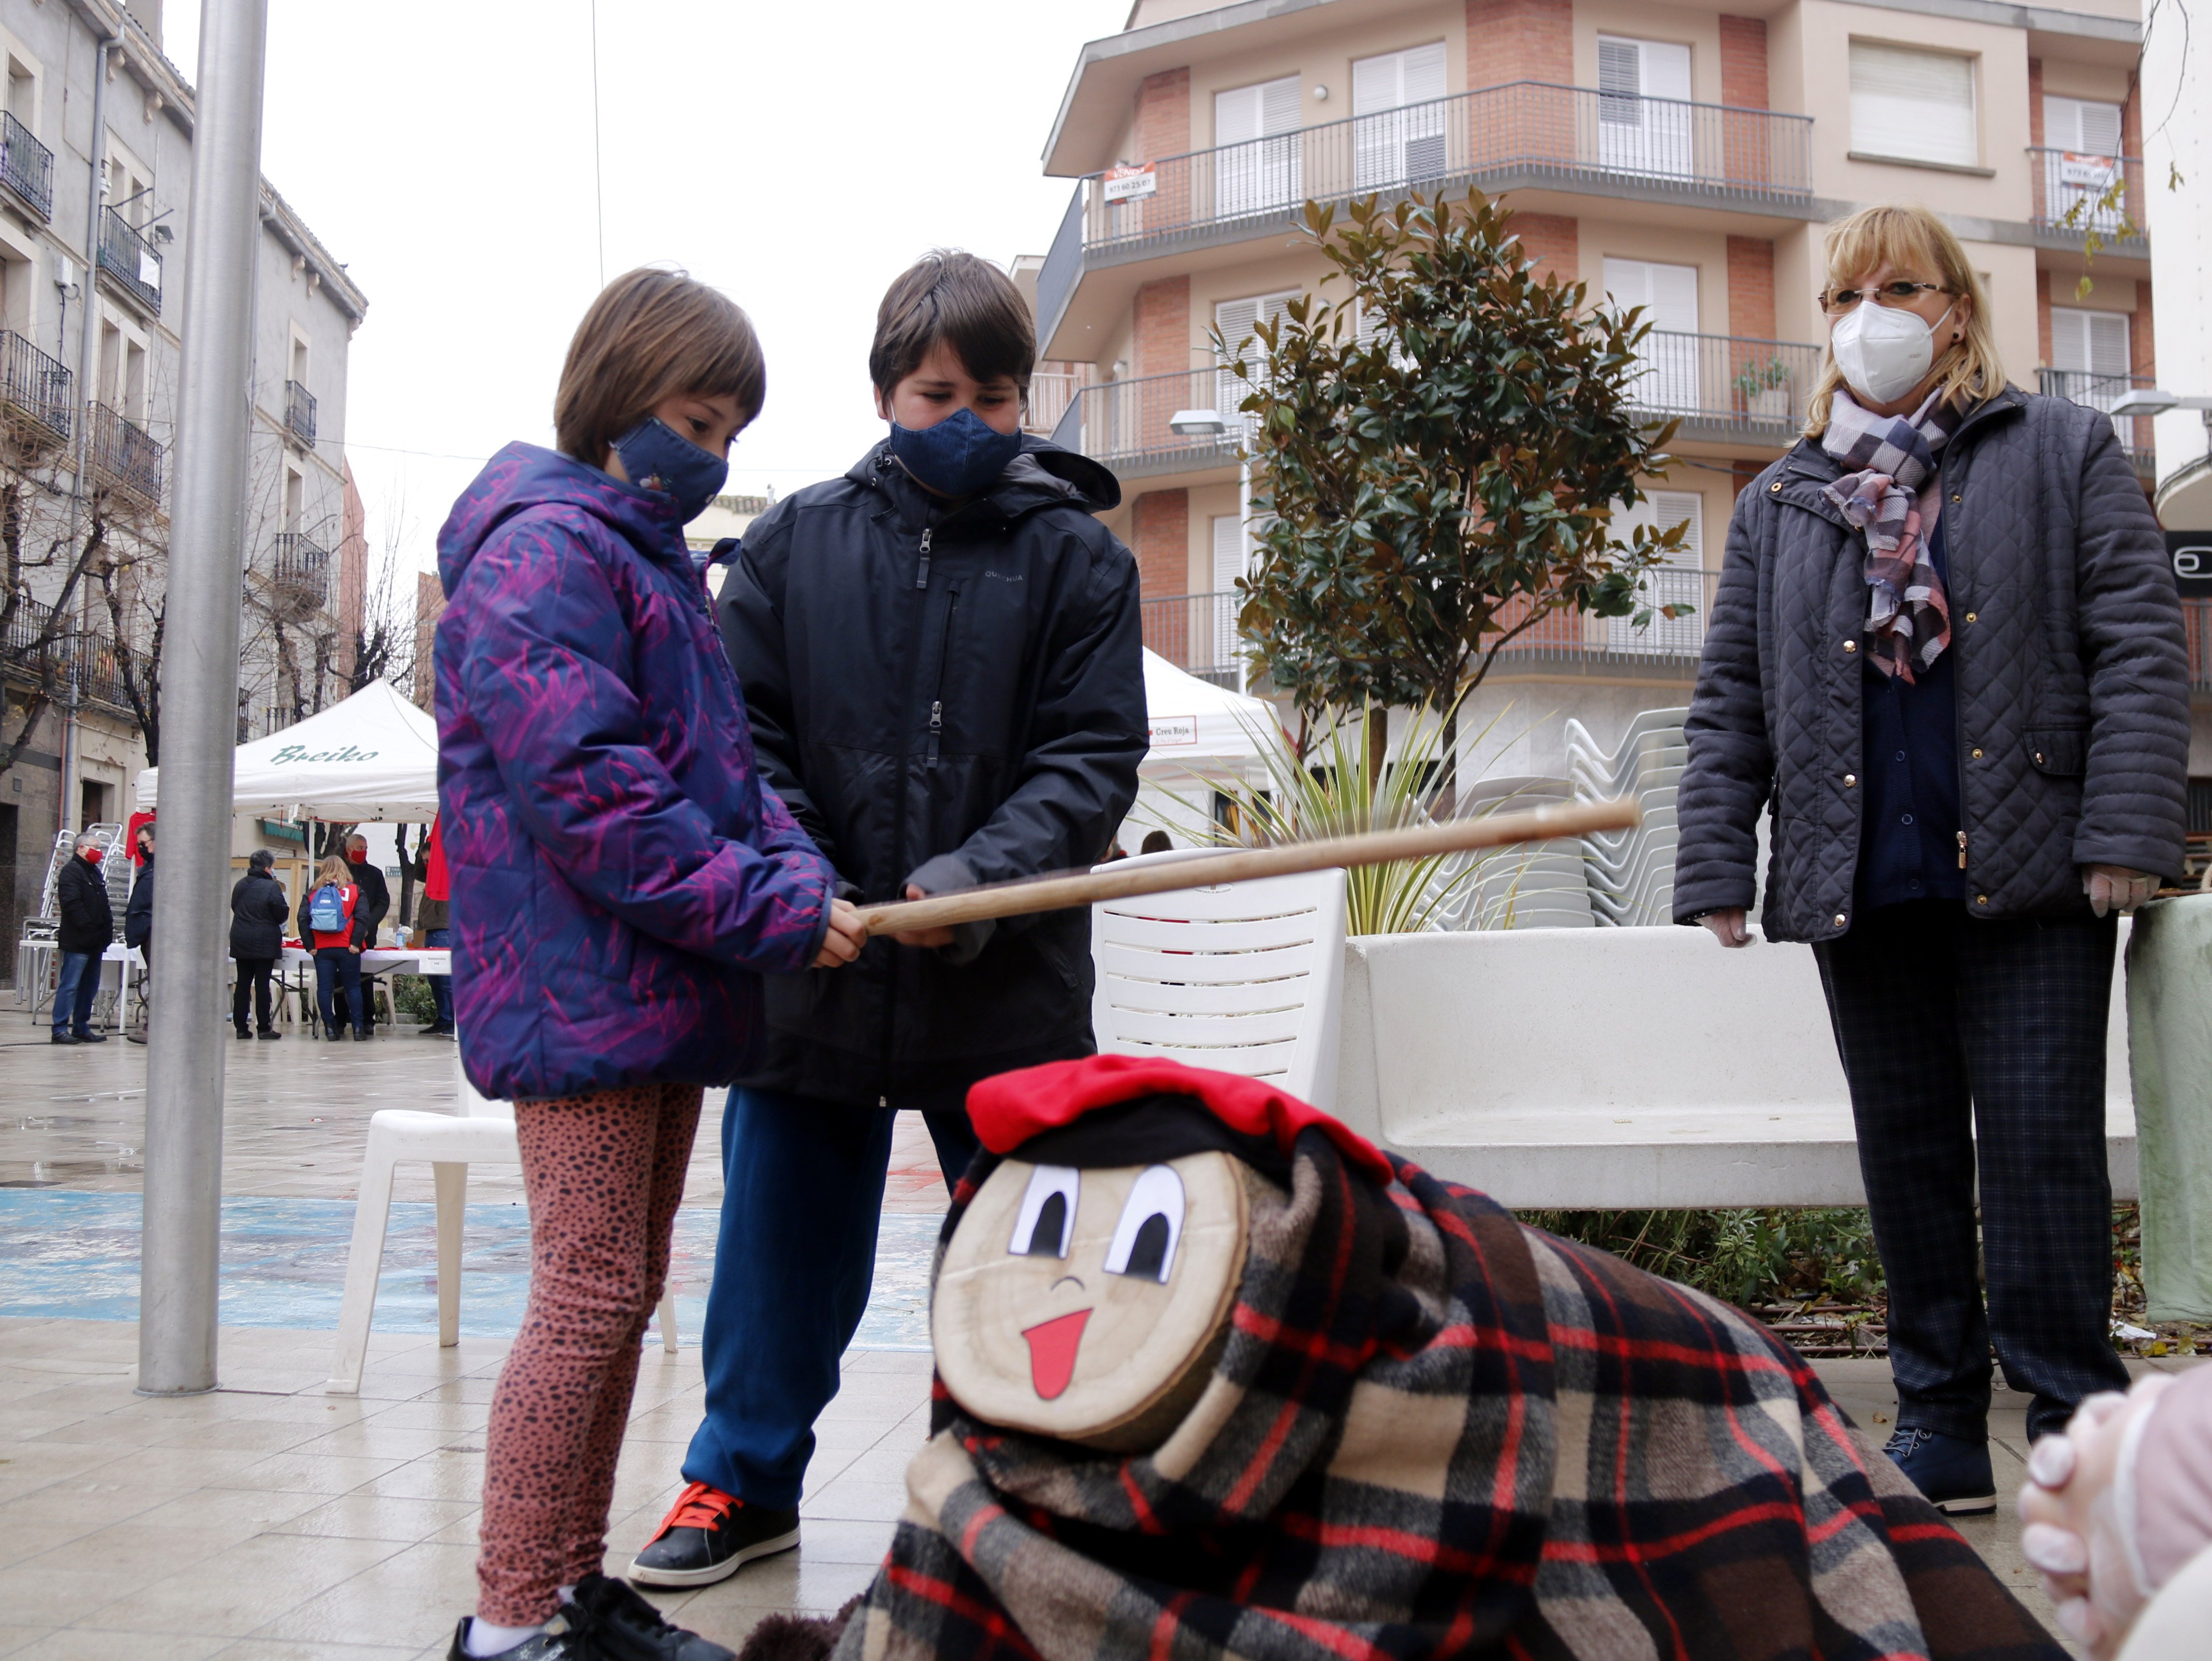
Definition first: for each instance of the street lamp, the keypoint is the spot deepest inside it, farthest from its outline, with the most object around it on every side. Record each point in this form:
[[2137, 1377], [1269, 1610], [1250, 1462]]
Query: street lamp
[[1196, 423], [2153, 401]]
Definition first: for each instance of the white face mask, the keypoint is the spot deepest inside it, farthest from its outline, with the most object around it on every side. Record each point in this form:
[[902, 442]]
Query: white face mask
[[1884, 350]]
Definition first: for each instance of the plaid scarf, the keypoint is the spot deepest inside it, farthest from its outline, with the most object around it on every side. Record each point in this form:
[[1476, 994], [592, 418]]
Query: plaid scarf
[[1893, 457], [1434, 1433]]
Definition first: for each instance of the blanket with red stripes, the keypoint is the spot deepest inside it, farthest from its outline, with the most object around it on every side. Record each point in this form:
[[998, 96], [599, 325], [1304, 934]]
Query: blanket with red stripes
[[1433, 1432]]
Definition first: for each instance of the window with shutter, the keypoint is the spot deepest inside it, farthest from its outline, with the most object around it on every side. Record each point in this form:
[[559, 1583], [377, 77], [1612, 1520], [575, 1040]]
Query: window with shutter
[[1668, 296], [2081, 162], [1232, 554], [1256, 166], [2090, 350], [1398, 125], [1236, 319], [1642, 106], [1679, 582], [1913, 106]]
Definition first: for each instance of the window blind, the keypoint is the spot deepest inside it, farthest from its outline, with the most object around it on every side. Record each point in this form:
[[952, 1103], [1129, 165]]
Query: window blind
[[1916, 105]]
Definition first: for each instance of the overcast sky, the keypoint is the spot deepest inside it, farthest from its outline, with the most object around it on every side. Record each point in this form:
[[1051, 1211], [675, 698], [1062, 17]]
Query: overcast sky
[[797, 156]]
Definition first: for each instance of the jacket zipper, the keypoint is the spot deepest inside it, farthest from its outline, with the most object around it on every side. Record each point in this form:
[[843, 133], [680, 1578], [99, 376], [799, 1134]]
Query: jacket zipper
[[921, 573], [1962, 850], [937, 703]]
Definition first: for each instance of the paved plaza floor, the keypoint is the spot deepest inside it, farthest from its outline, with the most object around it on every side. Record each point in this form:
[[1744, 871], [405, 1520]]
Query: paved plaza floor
[[268, 1520]]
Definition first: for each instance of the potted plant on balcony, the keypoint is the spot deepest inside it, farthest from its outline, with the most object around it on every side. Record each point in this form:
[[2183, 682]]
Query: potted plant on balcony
[[1764, 389], [1438, 457]]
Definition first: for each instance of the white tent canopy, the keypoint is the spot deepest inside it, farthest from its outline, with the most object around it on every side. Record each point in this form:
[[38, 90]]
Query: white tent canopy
[[1197, 727], [374, 757]]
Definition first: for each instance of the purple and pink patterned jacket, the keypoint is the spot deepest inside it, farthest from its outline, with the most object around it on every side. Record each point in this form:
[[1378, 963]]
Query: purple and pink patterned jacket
[[621, 878]]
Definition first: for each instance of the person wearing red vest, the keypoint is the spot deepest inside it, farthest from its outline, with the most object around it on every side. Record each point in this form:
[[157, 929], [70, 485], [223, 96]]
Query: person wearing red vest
[[338, 951], [432, 919]]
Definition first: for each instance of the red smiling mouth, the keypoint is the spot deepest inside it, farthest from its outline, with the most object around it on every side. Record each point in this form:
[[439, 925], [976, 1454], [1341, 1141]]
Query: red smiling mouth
[[1052, 1351]]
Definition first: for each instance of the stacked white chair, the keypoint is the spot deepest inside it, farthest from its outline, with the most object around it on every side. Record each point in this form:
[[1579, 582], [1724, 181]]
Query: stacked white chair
[[1632, 872], [1246, 977], [482, 1133], [1543, 886]]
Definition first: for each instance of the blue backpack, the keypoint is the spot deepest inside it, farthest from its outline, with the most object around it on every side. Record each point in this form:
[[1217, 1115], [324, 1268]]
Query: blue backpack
[[326, 911]]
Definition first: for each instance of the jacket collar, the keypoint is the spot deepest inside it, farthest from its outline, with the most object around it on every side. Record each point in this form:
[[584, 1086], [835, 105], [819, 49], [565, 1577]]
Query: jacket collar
[[1807, 467]]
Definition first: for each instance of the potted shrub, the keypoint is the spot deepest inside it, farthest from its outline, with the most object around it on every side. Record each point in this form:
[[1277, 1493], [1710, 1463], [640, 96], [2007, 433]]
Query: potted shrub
[[1765, 389]]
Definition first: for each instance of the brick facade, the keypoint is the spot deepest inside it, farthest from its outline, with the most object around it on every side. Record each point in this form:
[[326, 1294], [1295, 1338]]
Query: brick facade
[[1162, 115], [1751, 287], [1520, 40], [1161, 524], [1552, 243], [1743, 62], [1161, 325], [2141, 338], [2035, 102], [2043, 317]]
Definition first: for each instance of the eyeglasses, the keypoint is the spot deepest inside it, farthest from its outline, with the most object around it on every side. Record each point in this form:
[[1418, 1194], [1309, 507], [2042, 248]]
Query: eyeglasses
[[1837, 302]]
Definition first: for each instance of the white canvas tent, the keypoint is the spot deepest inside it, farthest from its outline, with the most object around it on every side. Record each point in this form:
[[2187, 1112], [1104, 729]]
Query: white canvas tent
[[1198, 729], [374, 757]]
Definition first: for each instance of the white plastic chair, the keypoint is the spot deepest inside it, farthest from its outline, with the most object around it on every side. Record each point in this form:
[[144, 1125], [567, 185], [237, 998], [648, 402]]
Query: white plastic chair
[[1246, 977], [482, 1133]]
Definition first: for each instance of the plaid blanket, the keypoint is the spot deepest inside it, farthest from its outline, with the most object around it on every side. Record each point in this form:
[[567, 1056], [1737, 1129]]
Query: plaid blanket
[[1432, 1433], [1892, 458]]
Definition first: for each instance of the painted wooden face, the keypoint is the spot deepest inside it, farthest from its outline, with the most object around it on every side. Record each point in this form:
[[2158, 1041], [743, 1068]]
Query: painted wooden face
[[1089, 1304]]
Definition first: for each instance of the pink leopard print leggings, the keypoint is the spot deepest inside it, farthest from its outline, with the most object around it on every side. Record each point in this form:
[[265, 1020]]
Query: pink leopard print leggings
[[603, 1173]]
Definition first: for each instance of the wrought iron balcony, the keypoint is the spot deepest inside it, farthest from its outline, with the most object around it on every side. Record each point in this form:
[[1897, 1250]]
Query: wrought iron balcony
[[299, 584], [34, 392], [26, 166], [300, 414], [123, 456], [78, 664], [2077, 193], [1130, 424], [1727, 386], [1196, 633], [2196, 623], [2101, 391], [1522, 134], [130, 259]]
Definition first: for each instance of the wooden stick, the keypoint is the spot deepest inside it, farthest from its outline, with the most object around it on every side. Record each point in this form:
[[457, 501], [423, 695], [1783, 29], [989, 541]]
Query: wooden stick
[[1123, 880]]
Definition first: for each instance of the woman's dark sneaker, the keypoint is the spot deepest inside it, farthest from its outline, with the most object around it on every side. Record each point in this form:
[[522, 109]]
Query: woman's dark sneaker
[[566, 1645], [707, 1534], [619, 1624], [1951, 1472]]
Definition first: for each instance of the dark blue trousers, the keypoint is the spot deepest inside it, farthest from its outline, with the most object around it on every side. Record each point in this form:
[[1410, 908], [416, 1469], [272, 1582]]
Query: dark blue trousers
[[75, 988], [803, 1187], [1981, 1044]]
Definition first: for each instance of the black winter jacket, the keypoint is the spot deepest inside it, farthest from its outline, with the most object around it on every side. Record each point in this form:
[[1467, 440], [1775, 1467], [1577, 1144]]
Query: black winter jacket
[[138, 915], [87, 920], [2073, 687], [942, 699], [259, 912], [375, 894]]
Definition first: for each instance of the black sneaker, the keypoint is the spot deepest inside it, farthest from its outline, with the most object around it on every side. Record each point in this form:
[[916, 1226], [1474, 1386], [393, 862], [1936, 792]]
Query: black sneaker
[[92, 1037], [266, 1034], [434, 1030], [620, 1625], [245, 1032], [1951, 1472], [64, 1038], [565, 1646], [708, 1536]]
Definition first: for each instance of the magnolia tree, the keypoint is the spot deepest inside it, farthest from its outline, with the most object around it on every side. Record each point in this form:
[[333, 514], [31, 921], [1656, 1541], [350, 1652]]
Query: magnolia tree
[[1439, 453]]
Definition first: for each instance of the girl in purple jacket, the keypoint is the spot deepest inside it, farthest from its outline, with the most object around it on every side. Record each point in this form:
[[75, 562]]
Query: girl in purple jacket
[[620, 880]]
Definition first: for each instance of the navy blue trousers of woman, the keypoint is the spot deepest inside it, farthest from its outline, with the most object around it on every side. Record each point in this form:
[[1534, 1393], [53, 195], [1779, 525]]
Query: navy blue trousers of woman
[[1966, 1041]]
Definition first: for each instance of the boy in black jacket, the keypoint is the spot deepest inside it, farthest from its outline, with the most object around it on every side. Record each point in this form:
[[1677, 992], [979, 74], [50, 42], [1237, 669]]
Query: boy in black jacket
[[940, 653]]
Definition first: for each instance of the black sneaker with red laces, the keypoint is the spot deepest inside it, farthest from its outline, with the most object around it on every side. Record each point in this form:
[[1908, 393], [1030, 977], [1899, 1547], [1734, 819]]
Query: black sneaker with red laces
[[619, 1624], [708, 1536]]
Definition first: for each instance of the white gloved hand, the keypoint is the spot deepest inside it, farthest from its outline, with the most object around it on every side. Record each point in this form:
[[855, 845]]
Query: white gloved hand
[[2116, 888], [2075, 1531]]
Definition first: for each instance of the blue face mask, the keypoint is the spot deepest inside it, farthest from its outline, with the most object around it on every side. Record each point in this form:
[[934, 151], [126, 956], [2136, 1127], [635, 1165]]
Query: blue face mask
[[658, 458], [958, 456]]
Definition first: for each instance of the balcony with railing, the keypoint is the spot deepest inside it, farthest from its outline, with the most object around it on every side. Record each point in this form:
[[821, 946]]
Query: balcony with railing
[[122, 455], [26, 166], [2101, 391], [300, 415], [80, 662], [1196, 633], [34, 392], [2197, 624], [1727, 387], [1130, 424], [1523, 135], [2075, 194], [300, 582], [131, 260], [1050, 393]]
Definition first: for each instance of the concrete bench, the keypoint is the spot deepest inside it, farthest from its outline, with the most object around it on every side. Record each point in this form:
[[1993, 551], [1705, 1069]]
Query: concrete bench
[[1620, 1067]]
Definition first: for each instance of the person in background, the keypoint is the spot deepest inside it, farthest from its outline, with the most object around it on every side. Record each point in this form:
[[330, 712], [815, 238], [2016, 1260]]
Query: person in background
[[942, 661], [87, 928], [623, 877], [1155, 842], [376, 902], [139, 929], [1946, 643], [432, 918], [337, 950], [258, 914]]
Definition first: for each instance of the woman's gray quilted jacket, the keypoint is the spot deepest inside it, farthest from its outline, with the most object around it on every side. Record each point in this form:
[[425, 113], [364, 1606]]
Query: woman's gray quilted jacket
[[2073, 680]]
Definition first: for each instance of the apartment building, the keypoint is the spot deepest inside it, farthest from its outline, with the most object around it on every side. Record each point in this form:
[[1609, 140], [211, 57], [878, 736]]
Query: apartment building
[[96, 184], [1681, 158]]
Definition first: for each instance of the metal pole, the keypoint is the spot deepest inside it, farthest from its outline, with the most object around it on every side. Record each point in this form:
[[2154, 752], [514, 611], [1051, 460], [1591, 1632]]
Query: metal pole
[[185, 1053]]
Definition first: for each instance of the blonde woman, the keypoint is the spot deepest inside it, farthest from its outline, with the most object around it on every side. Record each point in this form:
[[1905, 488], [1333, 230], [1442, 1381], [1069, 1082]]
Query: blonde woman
[[1947, 657], [335, 927]]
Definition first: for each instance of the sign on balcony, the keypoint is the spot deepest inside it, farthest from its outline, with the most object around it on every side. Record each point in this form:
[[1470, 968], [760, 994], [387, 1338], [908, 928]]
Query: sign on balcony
[[1129, 184], [2093, 172]]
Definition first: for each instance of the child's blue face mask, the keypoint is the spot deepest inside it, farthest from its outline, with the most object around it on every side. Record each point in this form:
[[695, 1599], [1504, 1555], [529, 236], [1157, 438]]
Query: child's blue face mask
[[658, 458], [958, 457]]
